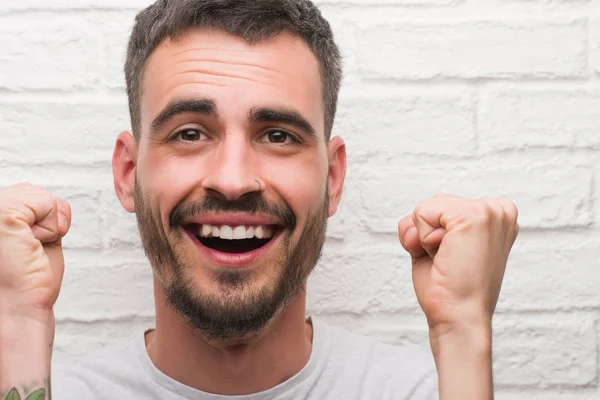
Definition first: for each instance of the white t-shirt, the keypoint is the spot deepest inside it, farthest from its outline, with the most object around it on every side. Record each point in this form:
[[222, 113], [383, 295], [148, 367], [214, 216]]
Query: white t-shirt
[[342, 366]]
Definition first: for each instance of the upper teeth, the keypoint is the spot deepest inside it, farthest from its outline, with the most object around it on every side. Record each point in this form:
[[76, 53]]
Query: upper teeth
[[236, 233]]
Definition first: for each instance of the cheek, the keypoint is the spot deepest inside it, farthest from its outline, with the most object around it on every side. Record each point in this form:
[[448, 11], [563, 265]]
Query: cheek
[[300, 181], [169, 180]]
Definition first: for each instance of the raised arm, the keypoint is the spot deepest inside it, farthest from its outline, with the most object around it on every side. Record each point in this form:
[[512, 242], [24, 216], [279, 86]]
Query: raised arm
[[459, 249], [32, 224]]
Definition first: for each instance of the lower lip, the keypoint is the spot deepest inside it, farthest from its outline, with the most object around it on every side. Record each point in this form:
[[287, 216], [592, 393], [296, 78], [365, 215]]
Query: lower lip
[[233, 260]]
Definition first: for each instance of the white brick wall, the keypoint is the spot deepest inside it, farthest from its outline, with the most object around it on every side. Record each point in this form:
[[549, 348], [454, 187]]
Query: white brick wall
[[473, 97]]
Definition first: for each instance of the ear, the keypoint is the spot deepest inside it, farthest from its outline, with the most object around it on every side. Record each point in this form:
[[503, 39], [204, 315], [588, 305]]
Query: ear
[[337, 172], [123, 163]]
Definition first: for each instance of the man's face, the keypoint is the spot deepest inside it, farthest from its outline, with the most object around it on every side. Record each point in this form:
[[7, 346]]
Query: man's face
[[232, 176]]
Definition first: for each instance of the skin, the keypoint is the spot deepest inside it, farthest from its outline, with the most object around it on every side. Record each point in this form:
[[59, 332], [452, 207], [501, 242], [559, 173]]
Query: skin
[[32, 225], [279, 73], [459, 247]]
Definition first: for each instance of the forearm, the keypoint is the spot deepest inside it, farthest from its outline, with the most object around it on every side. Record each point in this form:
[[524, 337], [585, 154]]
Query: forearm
[[25, 356], [464, 363]]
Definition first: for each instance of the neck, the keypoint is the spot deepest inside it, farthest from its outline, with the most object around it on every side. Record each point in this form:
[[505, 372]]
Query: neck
[[247, 366]]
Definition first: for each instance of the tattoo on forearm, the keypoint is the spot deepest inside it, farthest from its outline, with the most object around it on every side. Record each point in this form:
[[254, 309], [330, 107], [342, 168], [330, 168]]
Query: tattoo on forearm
[[39, 394]]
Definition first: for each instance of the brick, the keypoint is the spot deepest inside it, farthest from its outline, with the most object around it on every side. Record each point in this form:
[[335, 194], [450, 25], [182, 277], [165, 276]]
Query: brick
[[119, 226], [414, 336], [85, 221], [102, 287], [43, 132], [542, 354], [391, 2], [116, 28], [565, 394], [345, 35], [391, 330], [389, 194], [75, 339], [54, 52], [57, 174], [551, 275], [359, 279], [392, 125], [594, 45], [72, 5], [346, 220], [540, 118], [405, 329], [473, 49]]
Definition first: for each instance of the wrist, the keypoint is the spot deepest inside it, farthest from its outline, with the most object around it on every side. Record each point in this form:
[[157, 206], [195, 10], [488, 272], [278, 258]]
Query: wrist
[[26, 340], [18, 324], [12, 310], [463, 357], [17, 330], [465, 339]]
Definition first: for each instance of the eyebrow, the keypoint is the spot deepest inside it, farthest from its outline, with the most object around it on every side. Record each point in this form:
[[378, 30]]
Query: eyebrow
[[285, 116], [177, 107]]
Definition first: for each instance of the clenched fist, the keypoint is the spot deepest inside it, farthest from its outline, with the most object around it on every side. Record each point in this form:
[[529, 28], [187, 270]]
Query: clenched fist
[[32, 224], [459, 250]]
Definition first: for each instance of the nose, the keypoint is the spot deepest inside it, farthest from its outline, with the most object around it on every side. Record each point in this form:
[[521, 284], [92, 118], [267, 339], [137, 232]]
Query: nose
[[231, 173]]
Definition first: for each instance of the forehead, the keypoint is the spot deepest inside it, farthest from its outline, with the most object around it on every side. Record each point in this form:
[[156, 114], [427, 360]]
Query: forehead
[[281, 71]]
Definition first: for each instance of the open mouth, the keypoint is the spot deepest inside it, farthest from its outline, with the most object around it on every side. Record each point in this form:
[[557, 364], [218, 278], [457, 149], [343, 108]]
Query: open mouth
[[234, 239]]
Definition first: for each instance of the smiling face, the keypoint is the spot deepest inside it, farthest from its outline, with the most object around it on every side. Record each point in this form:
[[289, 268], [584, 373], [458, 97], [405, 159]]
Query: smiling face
[[232, 178]]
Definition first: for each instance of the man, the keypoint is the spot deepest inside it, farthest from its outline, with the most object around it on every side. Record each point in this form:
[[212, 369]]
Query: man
[[232, 174]]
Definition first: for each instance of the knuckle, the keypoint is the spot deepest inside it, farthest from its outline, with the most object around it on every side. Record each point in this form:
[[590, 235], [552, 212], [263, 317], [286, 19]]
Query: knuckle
[[13, 190], [52, 200], [37, 188], [446, 196], [422, 207], [401, 223], [23, 185], [511, 210], [66, 204], [482, 212], [428, 239], [43, 191], [47, 197], [9, 218]]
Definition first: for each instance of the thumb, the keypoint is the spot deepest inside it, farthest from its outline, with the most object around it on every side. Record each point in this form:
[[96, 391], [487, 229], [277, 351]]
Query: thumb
[[409, 237], [64, 217], [428, 220]]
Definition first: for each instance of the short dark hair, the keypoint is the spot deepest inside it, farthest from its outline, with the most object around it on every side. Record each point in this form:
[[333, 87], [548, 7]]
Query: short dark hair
[[253, 20]]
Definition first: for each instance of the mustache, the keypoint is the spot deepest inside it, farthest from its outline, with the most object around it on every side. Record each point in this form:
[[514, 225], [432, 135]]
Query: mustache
[[251, 203]]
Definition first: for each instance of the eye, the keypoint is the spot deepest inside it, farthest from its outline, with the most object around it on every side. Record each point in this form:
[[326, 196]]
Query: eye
[[189, 135], [279, 137]]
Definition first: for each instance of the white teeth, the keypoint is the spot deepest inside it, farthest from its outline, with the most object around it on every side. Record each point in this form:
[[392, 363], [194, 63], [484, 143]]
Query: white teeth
[[239, 233], [267, 232], [258, 232], [227, 232]]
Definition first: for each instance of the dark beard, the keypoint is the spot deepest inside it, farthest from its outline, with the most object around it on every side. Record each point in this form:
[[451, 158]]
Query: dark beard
[[237, 313]]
